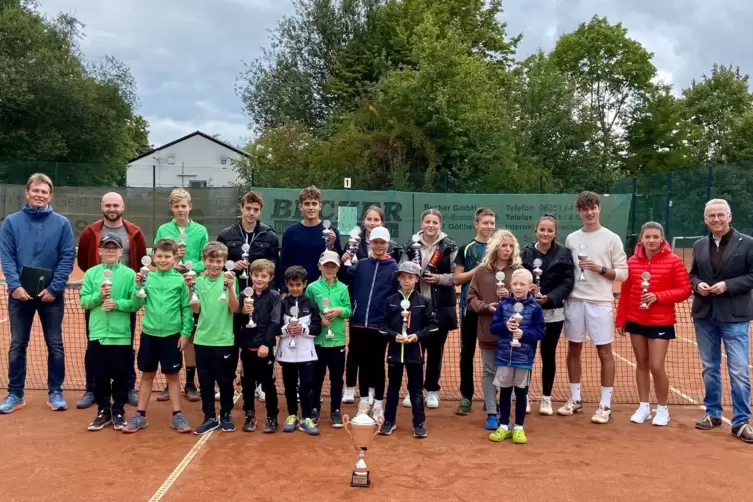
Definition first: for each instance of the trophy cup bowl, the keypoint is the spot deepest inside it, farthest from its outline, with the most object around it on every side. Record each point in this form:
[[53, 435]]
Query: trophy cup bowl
[[416, 247], [245, 247], [537, 276], [500, 276], [325, 233], [229, 266], [646, 276], [293, 322], [194, 297], [248, 293], [145, 262], [362, 431], [107, 274], [517, 317], [582, 255]]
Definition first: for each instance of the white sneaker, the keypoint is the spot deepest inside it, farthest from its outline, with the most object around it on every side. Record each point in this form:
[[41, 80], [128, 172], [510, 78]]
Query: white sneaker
[[432, 399], [662, 417], [406, 401], [642, 414], [528, 405], [602, 415], [349, 396], [371, 396], [260, 394], [377, 414], [570, 407], [545, 408]]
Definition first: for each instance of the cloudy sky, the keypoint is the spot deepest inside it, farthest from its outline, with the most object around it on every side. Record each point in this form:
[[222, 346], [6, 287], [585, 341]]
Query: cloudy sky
[[186, 54]]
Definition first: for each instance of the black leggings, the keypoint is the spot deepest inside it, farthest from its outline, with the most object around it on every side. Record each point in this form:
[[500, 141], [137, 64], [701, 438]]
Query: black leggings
[[367, 353], [549, 356]]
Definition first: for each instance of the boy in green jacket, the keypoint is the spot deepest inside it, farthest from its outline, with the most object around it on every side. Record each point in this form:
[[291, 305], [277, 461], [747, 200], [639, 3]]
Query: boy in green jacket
[[166, 326], [333, 300], [191, 238], [108, 292]]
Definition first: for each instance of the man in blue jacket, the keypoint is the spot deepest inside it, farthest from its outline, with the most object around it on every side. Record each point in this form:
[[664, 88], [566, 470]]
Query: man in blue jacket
[[41, 241]]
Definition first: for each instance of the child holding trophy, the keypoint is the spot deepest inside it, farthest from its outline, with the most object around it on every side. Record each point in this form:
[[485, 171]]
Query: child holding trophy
[[490, 285], [296, 351], [408, 321], [257, 331], [333, 300], [108, 293], [519, 323], [657, 280]]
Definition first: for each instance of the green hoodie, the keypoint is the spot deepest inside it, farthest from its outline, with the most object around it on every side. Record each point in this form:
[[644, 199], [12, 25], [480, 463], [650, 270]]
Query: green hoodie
[[338, 297], [110, 327], [167, 305], [196, 238]]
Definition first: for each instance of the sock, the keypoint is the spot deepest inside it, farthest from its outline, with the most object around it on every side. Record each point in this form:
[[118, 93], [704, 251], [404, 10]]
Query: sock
[[643, 406], [662, 407], [141, 412], [518, 427], [176, 413], [575, 391], [520, 405], [190, 375], [606, 397], [377, 404], [547, 399], [505, 426]]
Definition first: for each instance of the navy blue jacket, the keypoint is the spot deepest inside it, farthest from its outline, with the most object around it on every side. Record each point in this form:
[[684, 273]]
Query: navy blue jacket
[[422, 322], [533, 326], [302, 245], [371, 283]]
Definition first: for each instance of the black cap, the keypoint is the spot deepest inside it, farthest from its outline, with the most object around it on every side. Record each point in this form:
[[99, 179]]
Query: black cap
[[110, 239]]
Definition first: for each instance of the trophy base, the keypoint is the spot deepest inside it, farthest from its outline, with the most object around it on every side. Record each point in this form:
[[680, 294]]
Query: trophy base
[[360, 479]]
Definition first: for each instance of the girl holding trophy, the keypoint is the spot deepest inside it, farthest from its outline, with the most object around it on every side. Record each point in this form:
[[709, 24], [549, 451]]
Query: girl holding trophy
[[657, 280]]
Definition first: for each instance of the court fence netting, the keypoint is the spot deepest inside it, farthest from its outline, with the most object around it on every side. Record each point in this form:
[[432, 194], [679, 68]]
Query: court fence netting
[[683, 363]]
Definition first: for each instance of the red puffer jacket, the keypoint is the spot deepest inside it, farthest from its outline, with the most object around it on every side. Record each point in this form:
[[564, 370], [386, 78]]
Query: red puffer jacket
[[669, 282]]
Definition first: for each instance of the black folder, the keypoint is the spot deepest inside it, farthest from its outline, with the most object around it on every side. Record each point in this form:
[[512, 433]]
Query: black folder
[[35, 280]]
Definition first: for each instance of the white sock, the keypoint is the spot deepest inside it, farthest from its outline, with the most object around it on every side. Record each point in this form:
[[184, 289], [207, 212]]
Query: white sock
[[575, 391], [377, 404], [547, 399], [662, 407], [505, 427], [606, 397], [518, 427], [351, 389], [644, 406]]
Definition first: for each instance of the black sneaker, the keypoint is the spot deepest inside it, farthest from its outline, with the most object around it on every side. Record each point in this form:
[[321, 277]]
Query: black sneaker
[[118, 422], [164, 395], [226, 422], [270, 426], [419, 431], [336, 419], [191, 393], [102, 420], [315, 416], [209, 424], [387, 428], [250, 424]]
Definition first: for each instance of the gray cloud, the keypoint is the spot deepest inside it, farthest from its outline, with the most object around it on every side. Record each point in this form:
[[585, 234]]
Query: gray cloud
[[186, 54]]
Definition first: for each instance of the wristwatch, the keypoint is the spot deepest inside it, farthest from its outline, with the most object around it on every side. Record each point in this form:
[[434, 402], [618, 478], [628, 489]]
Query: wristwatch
[[603, 270]]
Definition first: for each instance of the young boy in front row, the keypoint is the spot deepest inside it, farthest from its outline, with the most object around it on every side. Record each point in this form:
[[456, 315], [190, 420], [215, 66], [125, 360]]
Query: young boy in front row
[[296, 352], [166, 327], [257, 344], [111, 304], [216, 352], [515, 360], [333, 300], [406, 331]]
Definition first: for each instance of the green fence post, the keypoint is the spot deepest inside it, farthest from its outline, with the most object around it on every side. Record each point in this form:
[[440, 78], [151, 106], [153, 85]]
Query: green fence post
[[668, 208], [633, 207], [709, 180]]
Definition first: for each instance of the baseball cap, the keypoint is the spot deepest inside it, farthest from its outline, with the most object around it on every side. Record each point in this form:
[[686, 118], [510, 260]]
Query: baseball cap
[[329, 257], [407, 267], [379, 233], [110, 239]]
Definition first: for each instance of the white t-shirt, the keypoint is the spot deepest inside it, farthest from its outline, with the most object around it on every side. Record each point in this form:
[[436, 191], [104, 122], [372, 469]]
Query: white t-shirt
[[604, 248]]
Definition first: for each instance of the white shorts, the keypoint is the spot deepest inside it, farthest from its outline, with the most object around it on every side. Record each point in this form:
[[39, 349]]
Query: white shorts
[[507, 376], [583, 317]]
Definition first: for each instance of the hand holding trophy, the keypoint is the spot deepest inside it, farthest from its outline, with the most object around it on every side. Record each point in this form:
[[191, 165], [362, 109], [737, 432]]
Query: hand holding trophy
[[293, 323], [245, 247], [192, 273], [646, 276], [145, 262], [500, 276], [353, 241], [537, 276], [229, 267], [325, 303], [249, 300], [582, 255], [517, 317]]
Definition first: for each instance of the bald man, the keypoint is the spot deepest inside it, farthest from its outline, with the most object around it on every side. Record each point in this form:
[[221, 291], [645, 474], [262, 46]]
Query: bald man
[[134, 248]]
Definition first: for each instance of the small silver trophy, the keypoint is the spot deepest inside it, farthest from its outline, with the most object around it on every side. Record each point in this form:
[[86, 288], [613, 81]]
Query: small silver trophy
[[353, 241], [145, 261], [500, 276], [537, 276], [194, 298], [325, 303], [325, 233], [517, 317], [582, 255], [229, 267], [245, 247], [107, 274], [293, 322], [416, 247], [646, 277], [249, 298], [182, 242], [405, 305]]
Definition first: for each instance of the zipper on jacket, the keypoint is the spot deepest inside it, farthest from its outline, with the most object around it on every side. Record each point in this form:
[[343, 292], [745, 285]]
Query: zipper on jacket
[[371, 292]]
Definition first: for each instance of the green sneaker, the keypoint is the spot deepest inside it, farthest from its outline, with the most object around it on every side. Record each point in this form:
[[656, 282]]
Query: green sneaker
[[500, 434], [519, 436], [464, 408]]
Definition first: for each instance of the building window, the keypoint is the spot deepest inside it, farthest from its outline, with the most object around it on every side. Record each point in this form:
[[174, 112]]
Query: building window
[[197, 184]]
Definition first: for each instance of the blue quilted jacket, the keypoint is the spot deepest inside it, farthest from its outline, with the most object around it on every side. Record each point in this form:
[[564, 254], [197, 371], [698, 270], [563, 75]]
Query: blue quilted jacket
[[533, 327]]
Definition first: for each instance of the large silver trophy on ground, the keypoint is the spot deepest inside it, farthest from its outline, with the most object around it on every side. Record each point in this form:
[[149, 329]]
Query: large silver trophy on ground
[[362, 430], [293, 322], [145, 262], [537, 277], [582, 255], [353, 241], [517, 317], [229, 267], [646, 276], [245, 247], [249, 298], [194, 298]]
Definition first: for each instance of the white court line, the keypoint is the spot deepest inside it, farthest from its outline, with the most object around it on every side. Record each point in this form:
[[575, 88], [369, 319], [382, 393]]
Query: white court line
[[173, 477], [693, 342], [671, 388]]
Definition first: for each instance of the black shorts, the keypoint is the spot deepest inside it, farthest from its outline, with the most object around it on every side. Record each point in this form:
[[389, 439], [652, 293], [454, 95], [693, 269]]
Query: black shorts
[[658, 332], [162, 351]]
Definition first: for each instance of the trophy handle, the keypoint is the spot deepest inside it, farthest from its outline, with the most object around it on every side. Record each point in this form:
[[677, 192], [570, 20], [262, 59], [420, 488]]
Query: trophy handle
[[377, 426], [346, 423]]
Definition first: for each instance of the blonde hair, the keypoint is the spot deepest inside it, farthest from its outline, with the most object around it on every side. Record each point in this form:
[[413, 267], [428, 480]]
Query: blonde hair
[[38, 178], [263, 265], [490, 256], [524, 273], [214, 249], [178, 195]]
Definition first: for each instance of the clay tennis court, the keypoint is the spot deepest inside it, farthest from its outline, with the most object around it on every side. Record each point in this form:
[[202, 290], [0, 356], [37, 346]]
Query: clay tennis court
[[45, 453]]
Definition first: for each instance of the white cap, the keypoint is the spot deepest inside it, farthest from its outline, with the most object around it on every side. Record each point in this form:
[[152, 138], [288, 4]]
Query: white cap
[[329, 257], [379, 233]]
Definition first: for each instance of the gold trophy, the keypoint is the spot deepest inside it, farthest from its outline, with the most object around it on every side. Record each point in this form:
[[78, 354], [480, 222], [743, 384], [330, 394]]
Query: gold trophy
[[362, 430], [245, 247], [517, 317], [325, 304], [194, 297], [145, 261], [646, 277], [537, 277], [229, 267], [582, 255], [249, 298], [293, 322]]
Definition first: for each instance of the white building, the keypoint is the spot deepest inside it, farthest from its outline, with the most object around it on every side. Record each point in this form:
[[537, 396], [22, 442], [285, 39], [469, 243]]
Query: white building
[[193, 161]]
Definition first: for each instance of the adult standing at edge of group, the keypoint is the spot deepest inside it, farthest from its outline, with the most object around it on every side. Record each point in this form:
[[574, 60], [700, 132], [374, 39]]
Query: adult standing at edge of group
[[191, 238], [37, 252], [436, 284], [556, 283], [722, 278], [590, 307], [134, 248], [467, 259]]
